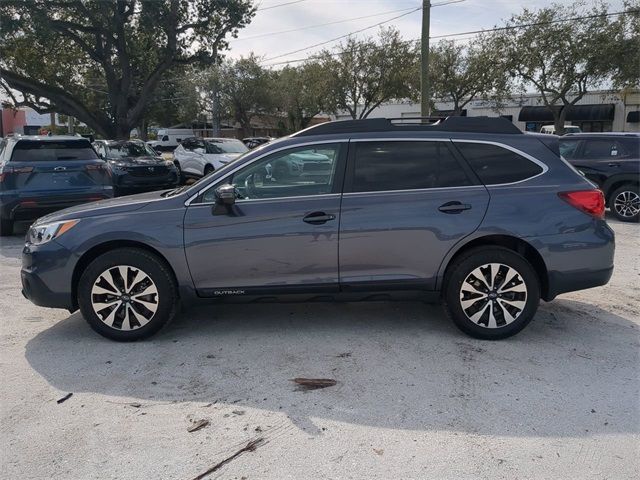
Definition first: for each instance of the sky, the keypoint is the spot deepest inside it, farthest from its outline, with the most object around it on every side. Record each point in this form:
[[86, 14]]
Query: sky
[[466, 15]]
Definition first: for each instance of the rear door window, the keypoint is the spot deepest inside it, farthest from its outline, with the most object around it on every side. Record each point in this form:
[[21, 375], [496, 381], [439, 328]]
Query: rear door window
[[497, 165], [62, 150], [600, 148], [405, 165]]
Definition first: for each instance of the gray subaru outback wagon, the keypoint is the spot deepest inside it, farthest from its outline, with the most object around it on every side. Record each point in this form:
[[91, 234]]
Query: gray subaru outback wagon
[[469, 211]]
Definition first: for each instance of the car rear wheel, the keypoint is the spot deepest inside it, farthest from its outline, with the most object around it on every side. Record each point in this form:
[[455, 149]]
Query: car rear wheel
[[625, 203], [491, 292], [127, 294], [6, 227]]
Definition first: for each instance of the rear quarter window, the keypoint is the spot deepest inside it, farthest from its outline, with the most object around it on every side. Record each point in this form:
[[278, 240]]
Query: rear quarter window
[[495, 165], [42, 151]]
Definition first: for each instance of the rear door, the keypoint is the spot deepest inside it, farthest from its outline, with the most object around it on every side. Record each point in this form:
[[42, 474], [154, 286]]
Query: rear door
[[406, 204], [57, 167]]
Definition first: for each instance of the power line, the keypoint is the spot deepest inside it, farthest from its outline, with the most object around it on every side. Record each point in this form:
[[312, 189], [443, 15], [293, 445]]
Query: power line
[[473, 32], [342, 36], [280, 5], [447, 2], [323, 24]]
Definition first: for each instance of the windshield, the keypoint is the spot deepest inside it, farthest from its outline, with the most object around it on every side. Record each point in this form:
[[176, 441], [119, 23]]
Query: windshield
[[130, 149], [225, 146]]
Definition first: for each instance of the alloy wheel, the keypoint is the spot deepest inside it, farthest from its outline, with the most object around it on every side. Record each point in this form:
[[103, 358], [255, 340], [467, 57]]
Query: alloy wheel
[[493, 295], [124, 297], [627, 204]]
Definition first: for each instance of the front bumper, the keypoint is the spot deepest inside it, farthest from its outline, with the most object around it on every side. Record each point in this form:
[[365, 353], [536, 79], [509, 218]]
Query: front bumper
[[125, 180], [46, 275]]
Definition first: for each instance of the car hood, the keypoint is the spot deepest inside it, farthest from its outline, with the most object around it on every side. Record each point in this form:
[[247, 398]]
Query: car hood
[[103, 207], [223, 157], [146, 160]]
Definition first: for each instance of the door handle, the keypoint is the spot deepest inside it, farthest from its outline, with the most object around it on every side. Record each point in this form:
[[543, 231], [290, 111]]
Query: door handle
[[454, 207], [318, 218], [59, 169]]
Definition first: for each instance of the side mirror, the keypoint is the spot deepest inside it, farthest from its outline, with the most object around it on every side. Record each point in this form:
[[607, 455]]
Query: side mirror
[[226, 194]]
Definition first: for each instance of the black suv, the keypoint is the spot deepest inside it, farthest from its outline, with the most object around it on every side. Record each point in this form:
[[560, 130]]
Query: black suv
[[612, 161]]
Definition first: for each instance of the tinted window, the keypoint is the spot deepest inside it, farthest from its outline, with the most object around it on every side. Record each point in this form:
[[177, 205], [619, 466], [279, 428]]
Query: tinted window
[[568, 148], [308, 170], [599, 148], [63, 150], [406, 165], [495, 165], [130, 149]]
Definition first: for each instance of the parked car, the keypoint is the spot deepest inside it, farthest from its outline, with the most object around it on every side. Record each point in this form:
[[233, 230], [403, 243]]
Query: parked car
[[169, 138], [197, 157], [469, 211], [611, 161], [136, 167], [253, 142], [551, 129], [42, 174]]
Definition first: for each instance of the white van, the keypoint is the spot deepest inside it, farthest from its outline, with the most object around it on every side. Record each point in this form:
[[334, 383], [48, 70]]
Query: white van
[[567, 129], [170, 138]]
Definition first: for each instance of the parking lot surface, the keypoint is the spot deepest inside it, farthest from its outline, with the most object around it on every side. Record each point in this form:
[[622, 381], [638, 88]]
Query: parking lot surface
[[414, 398]]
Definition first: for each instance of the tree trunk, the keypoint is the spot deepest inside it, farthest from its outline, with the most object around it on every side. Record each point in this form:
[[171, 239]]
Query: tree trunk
[[142, 129], [560, 118]]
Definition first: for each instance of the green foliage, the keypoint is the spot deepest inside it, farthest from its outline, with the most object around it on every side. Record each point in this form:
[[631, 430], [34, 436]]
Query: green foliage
[[459, 73], [366, 73], [102, 61], [561, 60]]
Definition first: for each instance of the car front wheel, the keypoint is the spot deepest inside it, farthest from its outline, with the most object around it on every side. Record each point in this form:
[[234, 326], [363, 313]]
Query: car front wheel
[[491, 292], [127, 294], [625, 203]]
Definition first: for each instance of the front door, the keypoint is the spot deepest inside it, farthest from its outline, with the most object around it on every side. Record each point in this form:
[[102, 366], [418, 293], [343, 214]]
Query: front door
[[281, 235], [406, 204]]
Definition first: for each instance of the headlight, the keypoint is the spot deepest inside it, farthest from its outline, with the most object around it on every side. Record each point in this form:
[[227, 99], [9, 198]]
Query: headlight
[[40, 234], [118, 165]]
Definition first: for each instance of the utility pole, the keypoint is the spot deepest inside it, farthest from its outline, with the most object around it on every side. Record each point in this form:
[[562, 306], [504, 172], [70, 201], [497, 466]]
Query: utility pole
[[425, 109]]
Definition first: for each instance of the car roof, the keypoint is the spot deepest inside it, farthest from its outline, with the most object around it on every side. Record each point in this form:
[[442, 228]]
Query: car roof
[[220, 139], [603, 134], [47, 138]]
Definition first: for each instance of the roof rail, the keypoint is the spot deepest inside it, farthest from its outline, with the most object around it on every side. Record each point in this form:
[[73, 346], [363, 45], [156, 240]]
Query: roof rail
[[424, 124]]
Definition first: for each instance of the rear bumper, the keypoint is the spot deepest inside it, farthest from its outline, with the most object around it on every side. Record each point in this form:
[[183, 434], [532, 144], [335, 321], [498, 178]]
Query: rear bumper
[[577, 260], [46, 275]]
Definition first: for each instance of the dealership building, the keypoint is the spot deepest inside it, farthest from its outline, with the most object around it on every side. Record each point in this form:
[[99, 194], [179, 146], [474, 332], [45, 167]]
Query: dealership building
[[598, 111]]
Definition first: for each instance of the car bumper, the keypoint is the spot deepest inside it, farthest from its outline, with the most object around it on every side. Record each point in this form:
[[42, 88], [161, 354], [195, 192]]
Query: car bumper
[[126, 181], [576, 260], [27, 208], [46, 275]]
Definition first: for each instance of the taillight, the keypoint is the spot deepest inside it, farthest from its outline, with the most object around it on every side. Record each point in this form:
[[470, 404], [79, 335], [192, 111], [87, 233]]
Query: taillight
[[8, 170], [589, 201]]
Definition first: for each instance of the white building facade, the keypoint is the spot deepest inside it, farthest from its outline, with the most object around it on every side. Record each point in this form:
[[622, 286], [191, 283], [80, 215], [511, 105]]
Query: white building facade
[[598, 111]]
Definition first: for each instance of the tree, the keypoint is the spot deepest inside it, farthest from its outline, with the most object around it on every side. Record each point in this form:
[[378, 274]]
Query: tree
[[102, 61], [246, 90], [623, 49], [302, 93], [562, 60], [461, 73], [367, 73]]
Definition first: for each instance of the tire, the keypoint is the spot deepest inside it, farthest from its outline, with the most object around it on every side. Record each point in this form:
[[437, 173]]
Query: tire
[[130, 319], [489, 319], [624, 203], [208, 169], [181, 178], [6, 227]]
